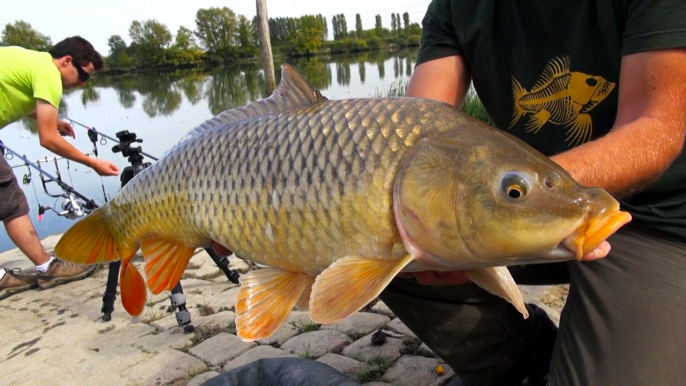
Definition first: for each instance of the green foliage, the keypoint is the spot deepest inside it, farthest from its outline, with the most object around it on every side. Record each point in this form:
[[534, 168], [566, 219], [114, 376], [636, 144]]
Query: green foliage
[[340, 27], [374, 42], [185, 40], [378, 28], [149, 40], [406, 21], [216, 28], [246, 33], [472, 105], [358, 25], [415, 29], [220, 36], [307, 35], [22, 34]]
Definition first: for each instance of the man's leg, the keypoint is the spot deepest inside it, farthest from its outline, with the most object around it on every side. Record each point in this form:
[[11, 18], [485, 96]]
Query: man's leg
[[481, 336], [624, 322], [23, 235], [14, 214]]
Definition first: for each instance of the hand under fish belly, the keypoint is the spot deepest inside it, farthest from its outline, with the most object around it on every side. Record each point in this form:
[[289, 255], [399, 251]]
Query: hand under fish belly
[[336, 198]]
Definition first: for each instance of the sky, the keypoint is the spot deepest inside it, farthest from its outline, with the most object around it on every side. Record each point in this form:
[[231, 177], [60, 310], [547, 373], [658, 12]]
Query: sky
[[96, 21]]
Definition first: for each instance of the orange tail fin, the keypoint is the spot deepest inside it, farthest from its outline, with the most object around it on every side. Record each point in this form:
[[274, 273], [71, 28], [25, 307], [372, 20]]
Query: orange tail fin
[[90, 241]]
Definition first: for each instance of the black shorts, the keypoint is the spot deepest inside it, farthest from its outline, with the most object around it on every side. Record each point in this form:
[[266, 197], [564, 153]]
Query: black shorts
[[13, 202]]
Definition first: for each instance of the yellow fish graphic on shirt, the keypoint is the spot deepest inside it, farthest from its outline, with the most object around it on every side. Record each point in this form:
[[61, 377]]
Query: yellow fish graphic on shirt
[[561, 97]]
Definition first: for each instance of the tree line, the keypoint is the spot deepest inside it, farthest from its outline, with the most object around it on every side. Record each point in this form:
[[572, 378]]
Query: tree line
[[221, 35]]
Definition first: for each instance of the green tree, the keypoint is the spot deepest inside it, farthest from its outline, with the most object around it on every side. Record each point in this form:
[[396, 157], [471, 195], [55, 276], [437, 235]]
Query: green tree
[[119, 56], [307, 36], [406, 20], [378, 28], [336, 27], [358, 26], [217, 29], [394, 24], [322, 19], [149, 40], [245, 35], [278, 30], [185, 40], [343, 26], [22, 34]]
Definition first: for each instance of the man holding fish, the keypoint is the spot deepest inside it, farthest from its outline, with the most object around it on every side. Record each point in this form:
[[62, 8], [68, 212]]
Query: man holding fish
[[601, 88], [338, 197]]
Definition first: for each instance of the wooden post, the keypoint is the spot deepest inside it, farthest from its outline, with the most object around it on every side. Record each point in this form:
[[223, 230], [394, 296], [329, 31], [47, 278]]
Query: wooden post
[[265, 46]]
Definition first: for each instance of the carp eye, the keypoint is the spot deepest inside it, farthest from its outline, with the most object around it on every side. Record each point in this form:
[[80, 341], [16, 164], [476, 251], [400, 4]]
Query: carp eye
[[591, 82], [515, 185]]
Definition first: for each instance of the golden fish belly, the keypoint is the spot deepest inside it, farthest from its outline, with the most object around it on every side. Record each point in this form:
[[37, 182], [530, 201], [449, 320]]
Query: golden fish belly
[[295, 191]]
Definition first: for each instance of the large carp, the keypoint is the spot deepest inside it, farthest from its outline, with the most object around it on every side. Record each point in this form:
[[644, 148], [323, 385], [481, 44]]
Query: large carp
[[337, 197]]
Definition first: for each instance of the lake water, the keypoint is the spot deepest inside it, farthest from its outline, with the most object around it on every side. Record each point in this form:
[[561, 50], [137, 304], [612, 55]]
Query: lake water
[[161, 107]]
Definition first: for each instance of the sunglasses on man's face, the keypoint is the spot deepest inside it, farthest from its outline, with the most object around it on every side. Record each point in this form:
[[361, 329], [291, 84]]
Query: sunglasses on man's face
[[83, 75]]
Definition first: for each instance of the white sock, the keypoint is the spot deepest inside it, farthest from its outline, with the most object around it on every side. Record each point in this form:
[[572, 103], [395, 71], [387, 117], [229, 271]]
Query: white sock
[[2, 273], [44, 267]]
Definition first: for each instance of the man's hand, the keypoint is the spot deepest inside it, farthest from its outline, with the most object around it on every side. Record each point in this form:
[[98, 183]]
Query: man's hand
[[104, 167], [65, 129]]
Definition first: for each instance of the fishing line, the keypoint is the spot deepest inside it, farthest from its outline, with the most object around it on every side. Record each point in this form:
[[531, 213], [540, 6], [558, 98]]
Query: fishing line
[[28, 180], [103, 141]]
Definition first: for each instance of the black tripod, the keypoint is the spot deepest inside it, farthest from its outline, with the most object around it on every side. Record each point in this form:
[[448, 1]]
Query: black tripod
[[177, 298]]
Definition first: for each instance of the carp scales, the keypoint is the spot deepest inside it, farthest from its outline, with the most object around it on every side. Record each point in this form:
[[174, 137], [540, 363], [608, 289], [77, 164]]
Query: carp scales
[[336, 197]]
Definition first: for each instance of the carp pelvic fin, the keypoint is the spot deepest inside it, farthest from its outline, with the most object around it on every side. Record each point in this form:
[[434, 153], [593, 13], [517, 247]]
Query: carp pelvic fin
[[132, 287], [165, 261], [89, 241], [499, 282], [349, 284], [265, 300]]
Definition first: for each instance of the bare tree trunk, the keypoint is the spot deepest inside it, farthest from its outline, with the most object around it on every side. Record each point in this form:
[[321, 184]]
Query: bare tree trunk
[[265, 46]]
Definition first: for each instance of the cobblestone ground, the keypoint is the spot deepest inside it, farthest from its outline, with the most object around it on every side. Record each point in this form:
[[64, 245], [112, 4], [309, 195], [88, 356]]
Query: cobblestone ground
[[57, 336]]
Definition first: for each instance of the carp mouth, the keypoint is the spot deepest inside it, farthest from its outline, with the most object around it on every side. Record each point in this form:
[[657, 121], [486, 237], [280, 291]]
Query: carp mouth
[[594, 231]]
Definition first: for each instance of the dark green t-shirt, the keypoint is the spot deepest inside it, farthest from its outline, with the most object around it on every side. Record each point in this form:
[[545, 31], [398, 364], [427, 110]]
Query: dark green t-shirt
[[548, 71]]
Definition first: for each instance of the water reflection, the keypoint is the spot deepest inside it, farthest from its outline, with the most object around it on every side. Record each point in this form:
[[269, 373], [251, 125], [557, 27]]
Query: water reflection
[[228, 86]]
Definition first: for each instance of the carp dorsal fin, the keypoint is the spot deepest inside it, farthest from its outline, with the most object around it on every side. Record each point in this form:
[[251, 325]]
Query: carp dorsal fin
[[294, 92]]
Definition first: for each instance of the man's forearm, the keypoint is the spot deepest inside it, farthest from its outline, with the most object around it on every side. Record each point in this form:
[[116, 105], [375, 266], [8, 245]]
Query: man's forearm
[[625, 160]]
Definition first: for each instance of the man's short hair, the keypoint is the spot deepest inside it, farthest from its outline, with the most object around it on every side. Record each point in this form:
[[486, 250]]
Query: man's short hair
[[81, 51]]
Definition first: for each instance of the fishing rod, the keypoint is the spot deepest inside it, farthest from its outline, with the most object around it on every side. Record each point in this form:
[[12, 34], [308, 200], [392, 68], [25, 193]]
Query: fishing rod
[[93, 135], [75, 204], [45, 160]]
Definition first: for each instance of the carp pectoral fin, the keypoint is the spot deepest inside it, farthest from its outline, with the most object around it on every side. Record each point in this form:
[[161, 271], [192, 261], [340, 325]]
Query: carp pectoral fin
[[132, 287], [349, 284], [303, 303], [89, 241], [499, 282], [165, 261], [536, 121], [265, 300]]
